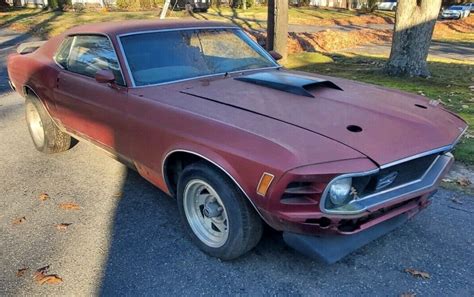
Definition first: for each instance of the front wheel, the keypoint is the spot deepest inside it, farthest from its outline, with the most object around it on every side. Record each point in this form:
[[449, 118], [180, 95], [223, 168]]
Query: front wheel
[[215, 212]]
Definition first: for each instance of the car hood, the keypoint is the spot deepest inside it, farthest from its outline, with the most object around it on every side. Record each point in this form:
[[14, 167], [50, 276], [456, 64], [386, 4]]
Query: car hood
[[393, 125]]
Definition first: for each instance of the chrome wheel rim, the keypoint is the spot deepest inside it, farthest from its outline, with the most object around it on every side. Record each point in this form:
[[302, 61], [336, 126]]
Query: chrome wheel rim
[[35, 125], [206, 214]]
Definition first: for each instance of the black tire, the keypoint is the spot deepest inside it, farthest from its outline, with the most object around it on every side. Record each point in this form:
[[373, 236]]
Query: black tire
[[203, 10], [40, 123], [244, 224]]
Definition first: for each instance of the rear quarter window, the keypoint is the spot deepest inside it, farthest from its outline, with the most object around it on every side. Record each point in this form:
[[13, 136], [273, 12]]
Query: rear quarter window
[[63, 52]]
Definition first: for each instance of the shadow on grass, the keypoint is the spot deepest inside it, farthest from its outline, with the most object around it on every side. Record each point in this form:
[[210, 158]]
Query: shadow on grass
[[40, 30], [247, 23], [19, 17]]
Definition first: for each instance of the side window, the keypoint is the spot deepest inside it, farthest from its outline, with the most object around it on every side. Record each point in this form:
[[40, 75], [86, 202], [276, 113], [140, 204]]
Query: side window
[[63, 52], [91, 53]]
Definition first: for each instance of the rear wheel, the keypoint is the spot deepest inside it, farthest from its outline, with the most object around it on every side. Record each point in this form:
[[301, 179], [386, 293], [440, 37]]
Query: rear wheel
[[46, 136], [216, 214]]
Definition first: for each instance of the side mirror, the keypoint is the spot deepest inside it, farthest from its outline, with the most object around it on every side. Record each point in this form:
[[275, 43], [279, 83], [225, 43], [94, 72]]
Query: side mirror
[[104, 76], [275, 55]]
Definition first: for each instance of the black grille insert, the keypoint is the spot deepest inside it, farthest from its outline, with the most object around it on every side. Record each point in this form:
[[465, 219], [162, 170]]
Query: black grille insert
[[393, 176]]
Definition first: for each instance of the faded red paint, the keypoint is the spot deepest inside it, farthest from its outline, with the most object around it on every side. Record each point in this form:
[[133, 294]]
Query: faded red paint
[[290, 136]]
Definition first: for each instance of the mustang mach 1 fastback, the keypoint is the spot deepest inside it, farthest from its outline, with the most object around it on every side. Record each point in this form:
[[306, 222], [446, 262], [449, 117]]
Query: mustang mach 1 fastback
[[204, 113]]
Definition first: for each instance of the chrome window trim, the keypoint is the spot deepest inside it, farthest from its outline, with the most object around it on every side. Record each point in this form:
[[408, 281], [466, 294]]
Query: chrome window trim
[[119, 41], [74, 35], [384, 192], [215, 164]]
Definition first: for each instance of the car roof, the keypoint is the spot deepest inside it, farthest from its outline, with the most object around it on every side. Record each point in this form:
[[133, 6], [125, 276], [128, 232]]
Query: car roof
[[131, 26]]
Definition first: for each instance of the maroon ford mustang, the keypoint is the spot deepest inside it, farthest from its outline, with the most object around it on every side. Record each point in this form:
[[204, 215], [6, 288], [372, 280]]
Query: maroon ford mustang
[[205, 114]]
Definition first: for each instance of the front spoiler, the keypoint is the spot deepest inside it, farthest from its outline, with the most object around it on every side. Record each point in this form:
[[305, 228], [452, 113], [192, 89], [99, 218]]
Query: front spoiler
[[331, 249]]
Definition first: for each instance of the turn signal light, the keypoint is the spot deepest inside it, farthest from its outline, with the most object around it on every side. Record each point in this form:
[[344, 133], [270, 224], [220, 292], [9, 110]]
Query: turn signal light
[[264, 184]]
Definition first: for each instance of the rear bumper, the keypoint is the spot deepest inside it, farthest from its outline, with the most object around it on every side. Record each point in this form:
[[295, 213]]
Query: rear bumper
[[331, 249]]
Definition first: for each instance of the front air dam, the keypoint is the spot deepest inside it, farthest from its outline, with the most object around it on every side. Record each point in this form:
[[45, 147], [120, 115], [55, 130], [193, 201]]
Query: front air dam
[[331, 249]]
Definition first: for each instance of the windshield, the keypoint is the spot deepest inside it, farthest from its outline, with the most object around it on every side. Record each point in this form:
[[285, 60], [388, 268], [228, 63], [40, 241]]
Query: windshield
[[456, 8], [160, 57]]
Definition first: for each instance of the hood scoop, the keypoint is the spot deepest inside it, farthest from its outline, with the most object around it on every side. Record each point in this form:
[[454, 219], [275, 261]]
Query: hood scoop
[[286, 82]]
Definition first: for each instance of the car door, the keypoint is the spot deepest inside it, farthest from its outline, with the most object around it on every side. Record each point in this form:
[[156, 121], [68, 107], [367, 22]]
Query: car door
[[89, 109]]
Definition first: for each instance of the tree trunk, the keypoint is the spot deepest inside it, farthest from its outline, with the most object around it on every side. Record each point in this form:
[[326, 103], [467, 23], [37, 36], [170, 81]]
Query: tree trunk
[[277, 27], [3, 3], [414, 25]]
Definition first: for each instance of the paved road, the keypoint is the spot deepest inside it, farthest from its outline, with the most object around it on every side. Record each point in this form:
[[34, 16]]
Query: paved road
[[126, 238], [463, 52]]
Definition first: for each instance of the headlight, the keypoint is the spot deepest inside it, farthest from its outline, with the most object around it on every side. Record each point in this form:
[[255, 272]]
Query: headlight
[[340, 190]]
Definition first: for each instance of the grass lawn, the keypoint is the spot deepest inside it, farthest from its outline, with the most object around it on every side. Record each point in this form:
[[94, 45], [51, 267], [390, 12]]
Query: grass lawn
[[449, 83]]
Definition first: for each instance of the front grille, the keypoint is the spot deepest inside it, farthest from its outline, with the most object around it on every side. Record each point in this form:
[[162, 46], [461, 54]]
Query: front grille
[[405, 172]]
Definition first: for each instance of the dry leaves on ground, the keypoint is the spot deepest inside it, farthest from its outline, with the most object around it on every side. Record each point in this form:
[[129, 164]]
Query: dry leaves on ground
[[63, 226], [19, 221], [21, 271], [463, 181], [417, 273], [42, 277], [408, 294], [70, 206], [43, 197]]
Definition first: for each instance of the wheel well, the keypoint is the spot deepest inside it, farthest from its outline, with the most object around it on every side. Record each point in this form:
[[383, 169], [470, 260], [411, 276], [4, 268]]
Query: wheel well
[[174, 165], [29, 91]]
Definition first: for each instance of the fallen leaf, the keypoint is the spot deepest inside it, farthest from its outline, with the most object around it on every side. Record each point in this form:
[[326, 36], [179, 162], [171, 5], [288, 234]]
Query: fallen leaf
[[41, 277], [417, 273], [43, 197], [463, 181], [21, 271], [62, 226], [117, 194], [447, 180], [40, 272], [408, 294], [51, 279], [19, 221], [70, 206], [456, 200]]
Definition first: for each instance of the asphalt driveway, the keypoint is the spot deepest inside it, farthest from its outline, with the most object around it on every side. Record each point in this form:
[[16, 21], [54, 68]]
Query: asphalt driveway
[[125, 237]]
